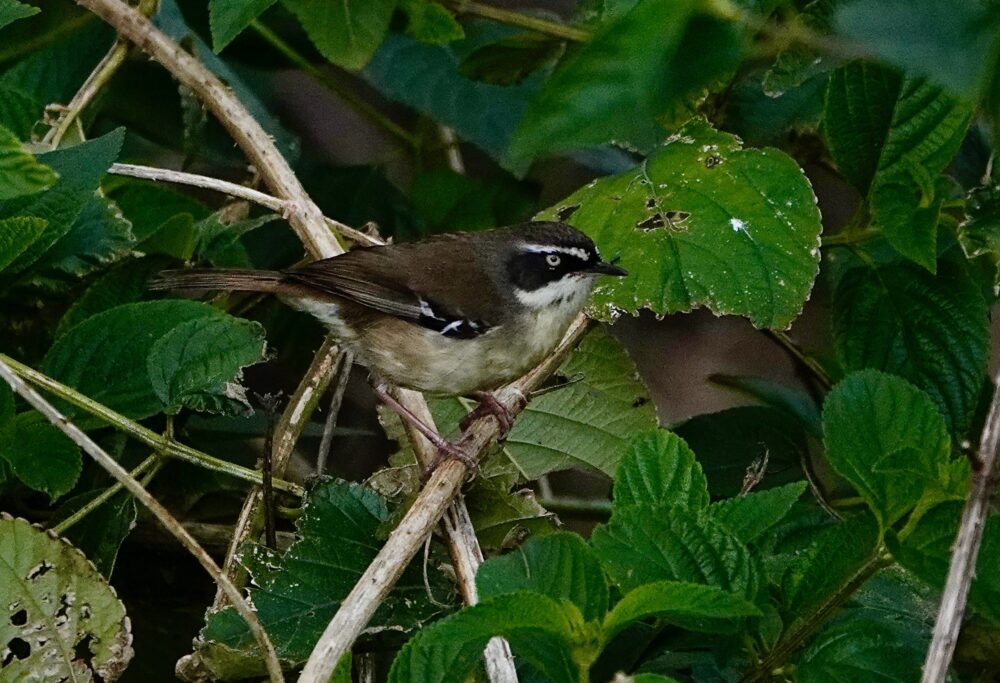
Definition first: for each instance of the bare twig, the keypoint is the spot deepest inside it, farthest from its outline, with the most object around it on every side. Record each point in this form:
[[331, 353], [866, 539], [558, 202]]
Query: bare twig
[[105, 495], [154, 506], [511, 18], [343, 373], [233, 190], [156, 441], [452, 150], [965, 550], [404, 542]]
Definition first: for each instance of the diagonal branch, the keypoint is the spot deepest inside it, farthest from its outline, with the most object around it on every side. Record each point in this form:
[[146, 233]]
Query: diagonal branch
[[965, 550], [432, 502], [165, 518]]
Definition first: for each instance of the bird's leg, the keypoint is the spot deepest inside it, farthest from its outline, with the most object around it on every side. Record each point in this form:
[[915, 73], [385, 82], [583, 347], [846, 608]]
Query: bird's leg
[[489, 405], [445, 448]]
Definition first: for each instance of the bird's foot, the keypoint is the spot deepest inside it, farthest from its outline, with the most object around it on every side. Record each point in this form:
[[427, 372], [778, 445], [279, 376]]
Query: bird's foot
[[489, 405], [449, 451]]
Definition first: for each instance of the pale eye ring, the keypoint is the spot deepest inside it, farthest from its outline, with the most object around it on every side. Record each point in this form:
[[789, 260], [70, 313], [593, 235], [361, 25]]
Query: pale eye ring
[[553, 260]]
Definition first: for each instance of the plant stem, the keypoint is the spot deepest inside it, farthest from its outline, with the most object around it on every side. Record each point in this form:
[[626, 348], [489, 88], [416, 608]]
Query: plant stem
[[804, 359], [846, 238], [162, 515], [333, 85], [105, 495], [143, 434], [343, 374], [579, 506], [511, 18]]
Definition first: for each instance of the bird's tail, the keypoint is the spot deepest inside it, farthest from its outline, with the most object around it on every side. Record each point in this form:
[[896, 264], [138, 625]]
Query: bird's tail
[[232, 279]]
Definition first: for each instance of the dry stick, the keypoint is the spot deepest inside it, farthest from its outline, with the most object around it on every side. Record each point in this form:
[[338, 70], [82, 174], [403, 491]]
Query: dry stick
[[407, 538], [965, 550], [343, 372], [154, 506]]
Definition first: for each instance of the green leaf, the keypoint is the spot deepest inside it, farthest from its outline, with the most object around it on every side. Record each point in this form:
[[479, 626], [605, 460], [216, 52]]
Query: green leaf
[[933, 331], [80, 169], [953, 43], [860, 650], [703, 222], [16, 235], [148, 207], [124, 284], [197, 356], [227, 19], [20, 172], [733, 441], [645, 544], [659, 469], [101, 533], [297, 593], [887, 439], [431, 23], [979, 233], [426, 78], [58, 606], [106, 357], [653, 48], [793, 400], [510, 60], [100, 235], [40, 455], [822, 569], [540, 631], [6, 404], [751, 515], [348, 32], [12, 10], [561, 566], [688, 605]]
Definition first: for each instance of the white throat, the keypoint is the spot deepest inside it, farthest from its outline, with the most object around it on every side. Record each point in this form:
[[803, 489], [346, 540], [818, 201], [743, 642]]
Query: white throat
[[569, 291]]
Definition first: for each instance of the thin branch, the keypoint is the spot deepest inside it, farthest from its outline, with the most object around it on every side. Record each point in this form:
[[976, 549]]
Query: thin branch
[[432, 502], [809, 363], [965, 550], [596, 507], [511, 18], [452, 150], [154, 506], [233, 190], [105, 495], [155, 441], [343, 373]]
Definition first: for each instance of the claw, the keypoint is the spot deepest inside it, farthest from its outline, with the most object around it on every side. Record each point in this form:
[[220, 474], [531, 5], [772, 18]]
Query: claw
[[489, 405]]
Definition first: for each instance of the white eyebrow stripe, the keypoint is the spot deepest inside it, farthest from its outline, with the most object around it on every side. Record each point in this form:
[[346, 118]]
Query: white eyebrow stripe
[[548, 249]]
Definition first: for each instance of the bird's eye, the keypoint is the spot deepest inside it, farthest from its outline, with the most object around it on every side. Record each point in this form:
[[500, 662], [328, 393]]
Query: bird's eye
[[553, 260]]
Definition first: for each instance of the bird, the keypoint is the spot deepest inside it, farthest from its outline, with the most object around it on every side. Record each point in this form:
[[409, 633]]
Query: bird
[[454, 314]]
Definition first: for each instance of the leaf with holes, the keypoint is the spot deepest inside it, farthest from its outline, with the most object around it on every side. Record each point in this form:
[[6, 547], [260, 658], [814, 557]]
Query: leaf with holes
[[704, 222], [561, 566], [659, 469], [40, 455], [297, 593], [62, 617], [20, 172]]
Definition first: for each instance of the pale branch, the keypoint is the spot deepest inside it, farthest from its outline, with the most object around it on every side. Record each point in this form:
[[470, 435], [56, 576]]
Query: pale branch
[[434, 499], [965, 550], [303, 214], [233, 190], [343, 373], [293, 420], [158, 442], [87, 444]]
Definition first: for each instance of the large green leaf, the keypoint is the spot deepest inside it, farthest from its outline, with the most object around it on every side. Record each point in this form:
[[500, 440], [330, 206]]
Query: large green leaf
[[12, 10], [107, 357], [540, 631], [201, 355], [887, 439], [647, 544], [733, 441], [934, 331], [659, 469], [954, 43], [561, 566], [751, 515], [80, 169], [652, 49], [40, 455], [346, 32], [16, 235], [690, 605], [227, 19], [61, 616], [100, 235], [859, 650], [297, 593], [703, 222], [125, 283], [20, 172]]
